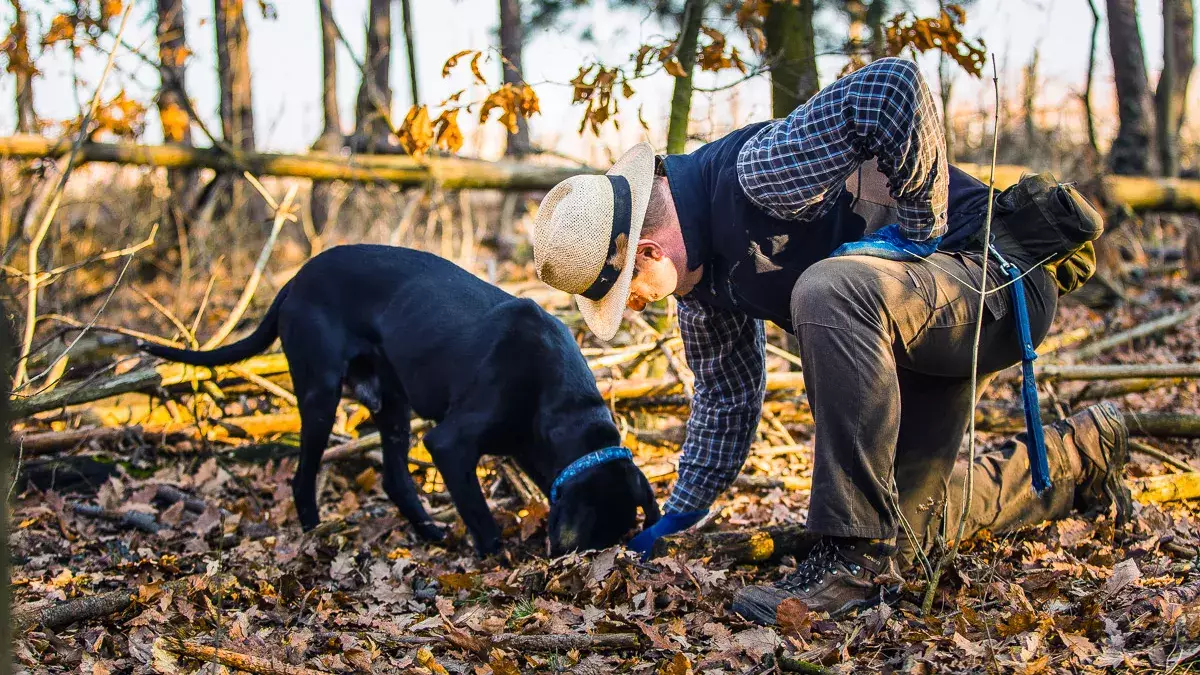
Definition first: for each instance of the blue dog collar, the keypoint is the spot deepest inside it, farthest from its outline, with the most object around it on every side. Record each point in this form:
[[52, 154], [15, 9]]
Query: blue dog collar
[[588, 461]]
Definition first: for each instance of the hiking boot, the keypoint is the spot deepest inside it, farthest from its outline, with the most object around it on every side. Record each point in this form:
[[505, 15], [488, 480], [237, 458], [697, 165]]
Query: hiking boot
[[836, 577], [1102, 443]]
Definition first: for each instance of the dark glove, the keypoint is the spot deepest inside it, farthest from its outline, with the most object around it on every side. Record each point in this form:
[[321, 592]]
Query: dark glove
[[887, 242], [670, 523]]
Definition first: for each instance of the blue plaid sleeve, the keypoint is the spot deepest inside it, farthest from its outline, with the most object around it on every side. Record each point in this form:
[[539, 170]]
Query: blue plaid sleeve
[[726, 351], [795, 167]]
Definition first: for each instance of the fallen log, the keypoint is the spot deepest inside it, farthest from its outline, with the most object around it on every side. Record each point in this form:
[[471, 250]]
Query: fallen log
[[37, 444], [1142, 330], [1167, 488], [1136, 192], [164, 646], [62, 614], [142, 379], [145, 522], [449, 173], [535, 643], [1163, 424], [745, 547], [1100, 390], [1118, 372]]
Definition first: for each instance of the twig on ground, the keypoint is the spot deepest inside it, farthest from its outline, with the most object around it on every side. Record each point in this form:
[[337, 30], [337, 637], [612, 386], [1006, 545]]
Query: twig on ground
[[223, 656], [1151, 451], [1140, 331]]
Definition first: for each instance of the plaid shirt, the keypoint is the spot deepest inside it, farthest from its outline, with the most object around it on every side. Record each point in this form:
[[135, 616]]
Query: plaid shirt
[[795, 169]]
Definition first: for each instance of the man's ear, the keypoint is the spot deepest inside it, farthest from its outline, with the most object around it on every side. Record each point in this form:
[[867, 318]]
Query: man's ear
[[650, 249], [646, 498]]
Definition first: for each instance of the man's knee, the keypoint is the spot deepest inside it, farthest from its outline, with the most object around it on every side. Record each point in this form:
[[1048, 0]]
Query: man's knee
[[838, 283]]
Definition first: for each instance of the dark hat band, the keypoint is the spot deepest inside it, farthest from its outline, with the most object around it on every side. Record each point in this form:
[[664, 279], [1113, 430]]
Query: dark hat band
[[622, 215]]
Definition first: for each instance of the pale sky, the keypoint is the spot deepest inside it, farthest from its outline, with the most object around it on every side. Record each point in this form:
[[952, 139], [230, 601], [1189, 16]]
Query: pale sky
[[286, 57]]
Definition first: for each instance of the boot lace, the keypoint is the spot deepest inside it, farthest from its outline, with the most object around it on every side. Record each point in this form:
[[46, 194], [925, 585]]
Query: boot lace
[[824, 559]]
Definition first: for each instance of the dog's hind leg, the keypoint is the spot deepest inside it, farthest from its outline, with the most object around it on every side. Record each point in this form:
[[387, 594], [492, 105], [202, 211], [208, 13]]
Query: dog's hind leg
[[318, 396], [392, 418], [445, 442]]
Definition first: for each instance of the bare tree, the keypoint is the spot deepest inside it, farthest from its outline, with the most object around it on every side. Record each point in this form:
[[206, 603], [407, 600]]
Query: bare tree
[[1179, 58], [1091, 71], [681, 98], [237, 100], [233, 64], [21, 66], [788, 29], [1029, 100], [512, 41], [175, 119], [410, 46], [375, 91], [331, 138], [1132, 151]]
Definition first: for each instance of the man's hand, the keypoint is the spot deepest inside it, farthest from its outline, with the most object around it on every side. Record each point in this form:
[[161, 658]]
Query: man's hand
[[887, 242], [670, 523]]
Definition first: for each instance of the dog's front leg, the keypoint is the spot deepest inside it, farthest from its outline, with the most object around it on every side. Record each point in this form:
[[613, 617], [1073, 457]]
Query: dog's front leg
[[456, 456], [394, 431]]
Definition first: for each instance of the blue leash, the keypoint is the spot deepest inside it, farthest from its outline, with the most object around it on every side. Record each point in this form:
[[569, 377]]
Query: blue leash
[[1039, 467]]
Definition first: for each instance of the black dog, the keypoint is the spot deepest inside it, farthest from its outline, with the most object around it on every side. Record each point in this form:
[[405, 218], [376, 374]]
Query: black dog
[[405, 331]]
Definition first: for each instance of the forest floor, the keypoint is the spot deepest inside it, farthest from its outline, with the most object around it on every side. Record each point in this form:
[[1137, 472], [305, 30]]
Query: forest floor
[[363, 594]]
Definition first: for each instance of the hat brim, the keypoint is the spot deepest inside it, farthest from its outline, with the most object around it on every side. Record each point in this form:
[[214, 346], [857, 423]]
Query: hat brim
[[604, 316]]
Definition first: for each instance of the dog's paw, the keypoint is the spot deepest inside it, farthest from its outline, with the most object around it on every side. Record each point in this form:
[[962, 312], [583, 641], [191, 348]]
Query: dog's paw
[[429, 531], [487, 548]]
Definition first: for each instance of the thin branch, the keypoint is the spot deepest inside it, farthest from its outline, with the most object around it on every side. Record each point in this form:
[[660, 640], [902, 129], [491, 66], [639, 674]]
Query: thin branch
[[282, 215], [36, 242], [969, 486]]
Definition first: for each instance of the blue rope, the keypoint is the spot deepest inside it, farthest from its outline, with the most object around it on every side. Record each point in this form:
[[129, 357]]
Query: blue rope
[[1039, 467], [588, 461]]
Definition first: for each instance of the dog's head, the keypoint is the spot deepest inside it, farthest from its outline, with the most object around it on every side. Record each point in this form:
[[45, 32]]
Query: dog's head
[[599, 506]]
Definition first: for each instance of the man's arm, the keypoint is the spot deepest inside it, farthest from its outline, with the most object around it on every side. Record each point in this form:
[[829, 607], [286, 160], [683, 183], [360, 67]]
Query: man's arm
[[726, 352], [795, 167]]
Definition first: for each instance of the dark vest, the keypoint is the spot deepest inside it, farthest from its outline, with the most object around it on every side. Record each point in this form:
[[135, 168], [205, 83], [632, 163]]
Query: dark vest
[[751, 259]]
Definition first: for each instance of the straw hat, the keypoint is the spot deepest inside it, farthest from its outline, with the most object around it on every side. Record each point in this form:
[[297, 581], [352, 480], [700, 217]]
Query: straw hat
[[585, 237]]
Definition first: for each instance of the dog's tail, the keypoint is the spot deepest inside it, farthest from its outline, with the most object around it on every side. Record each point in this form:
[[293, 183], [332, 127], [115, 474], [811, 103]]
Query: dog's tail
[[252, 344]]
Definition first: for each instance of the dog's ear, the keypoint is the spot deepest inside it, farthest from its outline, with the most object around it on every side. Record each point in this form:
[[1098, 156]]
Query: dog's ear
[[646, 498]]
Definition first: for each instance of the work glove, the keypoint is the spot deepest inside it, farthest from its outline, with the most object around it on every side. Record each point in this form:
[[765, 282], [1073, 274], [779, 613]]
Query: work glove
[[887, 242], [670, 523]]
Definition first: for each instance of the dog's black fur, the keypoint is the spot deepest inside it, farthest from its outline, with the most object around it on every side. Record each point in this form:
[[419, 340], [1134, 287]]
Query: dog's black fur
[[406, 331]]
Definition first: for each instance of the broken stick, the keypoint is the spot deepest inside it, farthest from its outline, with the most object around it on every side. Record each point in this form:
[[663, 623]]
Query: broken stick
[[226, 657]]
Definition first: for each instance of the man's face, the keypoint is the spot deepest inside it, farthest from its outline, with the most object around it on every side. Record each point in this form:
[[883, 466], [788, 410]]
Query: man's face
[[654, 276]]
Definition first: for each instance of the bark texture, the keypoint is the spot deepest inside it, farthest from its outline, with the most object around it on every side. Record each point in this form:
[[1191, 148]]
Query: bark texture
[[1132, 151], [681, 99], [789, 33], [512, 42]]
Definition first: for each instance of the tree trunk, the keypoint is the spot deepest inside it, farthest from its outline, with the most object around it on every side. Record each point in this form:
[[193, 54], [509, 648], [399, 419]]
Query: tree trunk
[[789, 33], [233, 64], [411, 47], [237, 104], [685, 52], [370, 129], [945, 89], [1087, 90], [1029, 103], [512, 41], [170, 30], [876, 14], [331, 139], [20, 64], [1179, 57], [1132, 150]]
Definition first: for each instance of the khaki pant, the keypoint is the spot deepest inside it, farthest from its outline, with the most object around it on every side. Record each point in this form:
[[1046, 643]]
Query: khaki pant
[[886, 348]]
